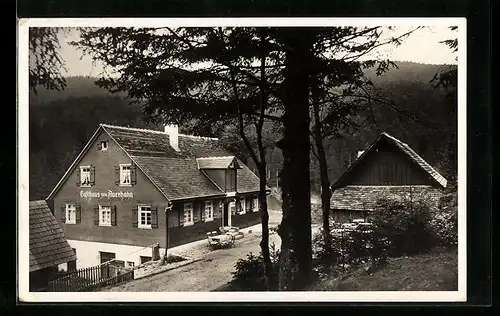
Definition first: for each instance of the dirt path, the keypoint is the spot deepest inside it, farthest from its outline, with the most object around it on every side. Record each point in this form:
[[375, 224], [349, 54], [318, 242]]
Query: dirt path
[[213, 271]]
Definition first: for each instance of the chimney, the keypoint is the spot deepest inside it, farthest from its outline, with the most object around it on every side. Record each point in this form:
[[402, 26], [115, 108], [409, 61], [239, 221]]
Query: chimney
[[173, 135], [360, 153]]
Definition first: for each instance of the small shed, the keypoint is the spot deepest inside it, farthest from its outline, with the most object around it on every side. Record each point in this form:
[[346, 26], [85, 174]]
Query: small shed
[[48, 247], [390, 169]]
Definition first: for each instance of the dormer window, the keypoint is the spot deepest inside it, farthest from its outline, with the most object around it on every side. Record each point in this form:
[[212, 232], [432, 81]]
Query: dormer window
[[104, 145]]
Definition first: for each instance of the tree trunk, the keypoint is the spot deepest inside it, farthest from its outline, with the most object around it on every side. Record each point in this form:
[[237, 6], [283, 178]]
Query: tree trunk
[[324, 179], [264, 215], [295, 229]]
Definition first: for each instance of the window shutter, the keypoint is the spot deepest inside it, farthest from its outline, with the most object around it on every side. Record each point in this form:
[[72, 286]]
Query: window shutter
[[92, 175], [113, 215], [203, 210], [78, 177], [133, 174], [63, 213], [181, 216], [117, 175], [135, 217], [99, 146], [96, 216], [78, 213], [154, 217]]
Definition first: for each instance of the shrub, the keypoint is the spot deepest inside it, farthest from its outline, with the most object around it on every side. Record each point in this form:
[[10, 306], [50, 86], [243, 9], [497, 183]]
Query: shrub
[[348, 250], [249, 272], [445, 220], [406, 226]]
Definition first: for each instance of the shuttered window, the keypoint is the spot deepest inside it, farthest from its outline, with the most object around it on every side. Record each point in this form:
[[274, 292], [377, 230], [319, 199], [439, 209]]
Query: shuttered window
[[125, 174], [104, 215], [188, 214], [85, 179], [146, 217], [69, 213], [242, 209], [209, 211]]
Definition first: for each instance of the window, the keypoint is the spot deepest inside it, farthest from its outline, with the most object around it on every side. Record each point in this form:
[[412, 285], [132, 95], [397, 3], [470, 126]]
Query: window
[[144, 213], [209, 211], [85, 176], [242, 207], [70, 214], [104, 145], [255, 205], [104, 215], [125, 174], [130, 264], [145, 259], [106, 256], [232, 207], [188, 214]]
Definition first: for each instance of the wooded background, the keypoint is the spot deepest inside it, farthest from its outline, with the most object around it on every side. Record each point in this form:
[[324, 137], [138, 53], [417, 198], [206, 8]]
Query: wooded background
[[61, 122]]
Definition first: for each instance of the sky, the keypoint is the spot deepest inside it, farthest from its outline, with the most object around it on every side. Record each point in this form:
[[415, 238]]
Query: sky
[[422, 46]]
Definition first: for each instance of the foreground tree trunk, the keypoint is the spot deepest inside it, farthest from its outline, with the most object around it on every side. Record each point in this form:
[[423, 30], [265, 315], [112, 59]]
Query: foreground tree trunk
[[295, 229], [264, 216], [323, 172]]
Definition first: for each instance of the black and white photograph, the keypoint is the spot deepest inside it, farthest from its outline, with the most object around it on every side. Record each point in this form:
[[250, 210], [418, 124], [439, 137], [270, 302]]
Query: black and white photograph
[[321, 158]]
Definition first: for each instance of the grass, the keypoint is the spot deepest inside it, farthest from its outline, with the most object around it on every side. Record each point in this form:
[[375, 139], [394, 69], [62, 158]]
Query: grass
[[433, 271]]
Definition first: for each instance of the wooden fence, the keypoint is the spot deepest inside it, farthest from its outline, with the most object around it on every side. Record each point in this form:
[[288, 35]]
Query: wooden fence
[[92, 278]]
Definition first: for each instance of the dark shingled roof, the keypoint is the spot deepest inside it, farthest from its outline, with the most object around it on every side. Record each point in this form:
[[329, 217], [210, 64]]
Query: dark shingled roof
[[48, 245], [364, 198], [176, 173]]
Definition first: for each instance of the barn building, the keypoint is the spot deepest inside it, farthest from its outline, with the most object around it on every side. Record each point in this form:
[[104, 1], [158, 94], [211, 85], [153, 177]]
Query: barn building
[[48, 247], [130, 188], [388, 168]]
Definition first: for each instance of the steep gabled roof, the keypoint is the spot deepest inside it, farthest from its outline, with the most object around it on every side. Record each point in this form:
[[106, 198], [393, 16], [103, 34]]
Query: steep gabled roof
[[47, 244], [174, 173], [405, 149]]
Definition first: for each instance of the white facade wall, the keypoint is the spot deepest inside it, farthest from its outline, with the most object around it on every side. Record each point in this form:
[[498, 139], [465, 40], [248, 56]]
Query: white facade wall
[[88, 253]]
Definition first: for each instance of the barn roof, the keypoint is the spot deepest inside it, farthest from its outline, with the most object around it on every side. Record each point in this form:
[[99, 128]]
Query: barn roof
[[364, 198], [175, 174], [405, 149], [47, 243]]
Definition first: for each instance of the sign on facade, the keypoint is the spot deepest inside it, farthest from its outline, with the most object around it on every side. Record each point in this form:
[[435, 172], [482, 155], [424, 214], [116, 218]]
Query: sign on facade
[[87, 194]]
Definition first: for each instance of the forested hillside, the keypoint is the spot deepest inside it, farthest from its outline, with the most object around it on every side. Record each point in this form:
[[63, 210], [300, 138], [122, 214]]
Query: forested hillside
[[61, 122]]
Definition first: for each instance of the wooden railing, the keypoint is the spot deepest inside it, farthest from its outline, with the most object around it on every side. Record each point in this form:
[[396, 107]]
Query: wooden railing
[[92, 278]]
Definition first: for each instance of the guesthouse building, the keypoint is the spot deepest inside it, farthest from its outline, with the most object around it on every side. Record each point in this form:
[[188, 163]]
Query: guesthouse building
[[387, 169], [132, 188]]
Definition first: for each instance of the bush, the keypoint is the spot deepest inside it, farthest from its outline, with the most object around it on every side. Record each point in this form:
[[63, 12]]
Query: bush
[[445, 220], [406, 226], [249, 272], [348, 250]]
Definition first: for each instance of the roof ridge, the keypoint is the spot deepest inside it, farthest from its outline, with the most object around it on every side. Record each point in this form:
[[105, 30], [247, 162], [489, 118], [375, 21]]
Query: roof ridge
[[199, 137], [132, 128], [154, 131], [215, 157]]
